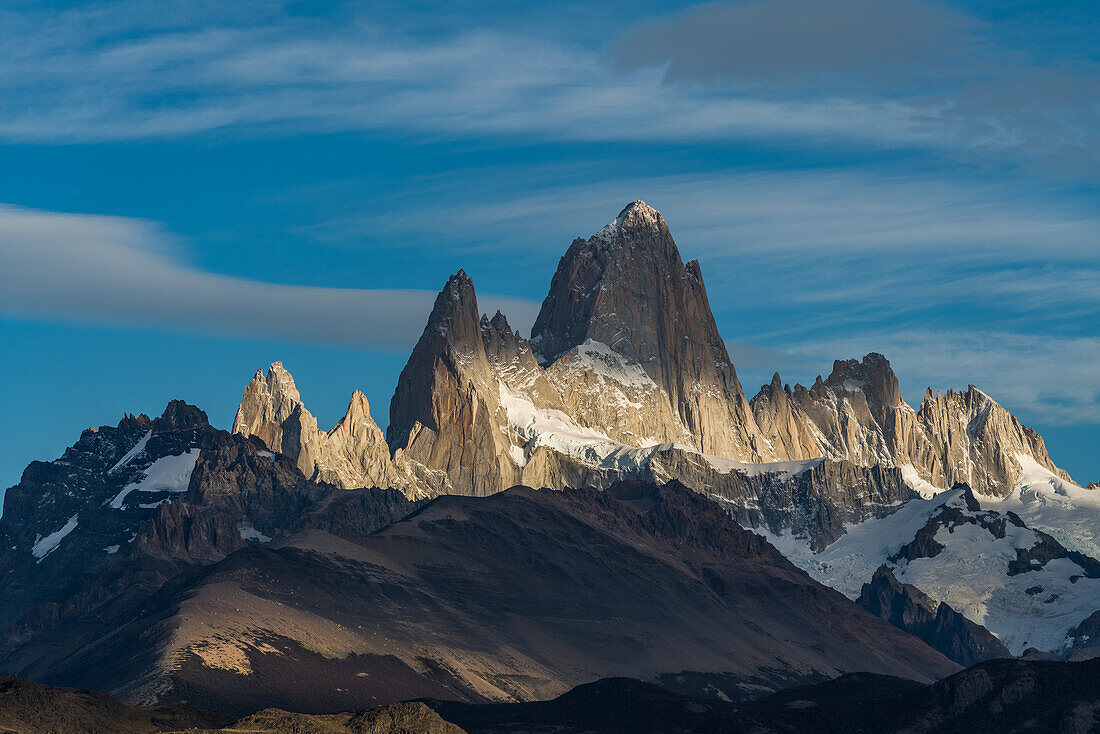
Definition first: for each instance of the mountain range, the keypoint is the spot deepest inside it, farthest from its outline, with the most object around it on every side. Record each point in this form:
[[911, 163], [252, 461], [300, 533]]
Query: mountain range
[[601, 499]]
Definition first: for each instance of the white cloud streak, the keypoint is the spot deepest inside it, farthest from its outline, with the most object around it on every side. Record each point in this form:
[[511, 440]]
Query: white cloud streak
[[98, 269], [123, 73], [762, 212], [839, 245]]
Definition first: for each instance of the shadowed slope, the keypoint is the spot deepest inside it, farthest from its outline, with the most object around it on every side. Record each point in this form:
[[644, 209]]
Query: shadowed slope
[[517, 596]]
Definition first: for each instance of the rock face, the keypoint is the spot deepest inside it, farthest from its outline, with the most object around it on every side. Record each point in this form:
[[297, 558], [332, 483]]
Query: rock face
[[353, 454], [858, 413], [445, 415], [944, 629], [816, 499], [972, 439], [782, 421]]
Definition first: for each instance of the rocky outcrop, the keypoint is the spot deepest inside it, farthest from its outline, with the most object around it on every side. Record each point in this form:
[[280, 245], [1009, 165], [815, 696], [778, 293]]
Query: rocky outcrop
[[858, 413], [944, 629], [353, 454], [781, 420], [412, 717]]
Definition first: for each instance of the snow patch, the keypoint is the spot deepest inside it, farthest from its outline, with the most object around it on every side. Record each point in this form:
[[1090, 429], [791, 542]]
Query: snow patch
[[44, 546], [249, 533], [925, 489], [970, 575], [971, 572], [517, 455], [851, 560], [166, 474], [555, 429], [111, 550], [137, 449], [600, 359]]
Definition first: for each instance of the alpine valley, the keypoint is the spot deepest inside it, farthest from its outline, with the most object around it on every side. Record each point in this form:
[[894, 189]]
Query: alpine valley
[[601, 500]]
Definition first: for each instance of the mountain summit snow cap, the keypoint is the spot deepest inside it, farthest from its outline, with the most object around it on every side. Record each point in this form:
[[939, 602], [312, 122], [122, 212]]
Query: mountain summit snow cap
[[635, 215]]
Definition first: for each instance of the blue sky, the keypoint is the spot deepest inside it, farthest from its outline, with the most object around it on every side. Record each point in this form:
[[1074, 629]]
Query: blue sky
[[189, 191]]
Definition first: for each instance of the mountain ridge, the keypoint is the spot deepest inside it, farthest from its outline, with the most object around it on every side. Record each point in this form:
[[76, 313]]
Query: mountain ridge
[[625, 376]]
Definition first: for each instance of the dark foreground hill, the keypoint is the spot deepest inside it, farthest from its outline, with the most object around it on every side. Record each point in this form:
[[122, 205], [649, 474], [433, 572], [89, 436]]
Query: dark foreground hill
[[995, 696], [1006, 696], [27, 707]]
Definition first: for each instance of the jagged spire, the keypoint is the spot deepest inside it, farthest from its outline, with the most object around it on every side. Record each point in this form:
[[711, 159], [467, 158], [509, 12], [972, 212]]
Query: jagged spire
[[454, 318], [454, 326]]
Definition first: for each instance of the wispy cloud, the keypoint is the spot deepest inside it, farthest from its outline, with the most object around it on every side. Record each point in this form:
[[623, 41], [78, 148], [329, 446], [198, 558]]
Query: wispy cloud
[[123, 72], [944, 68], [114, 270], [758, 211]]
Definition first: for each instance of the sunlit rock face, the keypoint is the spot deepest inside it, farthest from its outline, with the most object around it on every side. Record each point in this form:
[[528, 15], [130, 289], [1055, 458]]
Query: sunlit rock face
[[353, 454]]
